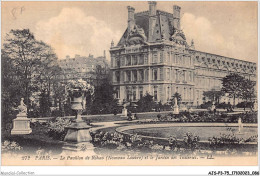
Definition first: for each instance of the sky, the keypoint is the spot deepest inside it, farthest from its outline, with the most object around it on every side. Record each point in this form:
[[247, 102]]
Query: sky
[[223, 28]]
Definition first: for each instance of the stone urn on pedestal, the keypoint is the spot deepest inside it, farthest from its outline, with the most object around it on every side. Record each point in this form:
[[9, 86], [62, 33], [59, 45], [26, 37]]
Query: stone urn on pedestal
[[79, 131], [21, 125]]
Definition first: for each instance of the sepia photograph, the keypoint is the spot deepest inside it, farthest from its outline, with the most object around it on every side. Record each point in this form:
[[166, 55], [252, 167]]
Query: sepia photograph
[[129, 83]]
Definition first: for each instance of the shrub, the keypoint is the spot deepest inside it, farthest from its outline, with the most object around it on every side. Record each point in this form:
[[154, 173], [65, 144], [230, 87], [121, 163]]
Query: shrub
[[171, 114], [252, 139], [8, 146], [222, 105], [56, 113], [245, 104], [249, 117], [57, 128], [106, 140], [227, 140], [159, 116], [172, 142], [206, 105], [191, 141]]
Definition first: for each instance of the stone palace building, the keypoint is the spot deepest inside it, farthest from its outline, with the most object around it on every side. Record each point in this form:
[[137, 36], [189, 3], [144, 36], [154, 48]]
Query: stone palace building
[[154, 57], [82, 67]]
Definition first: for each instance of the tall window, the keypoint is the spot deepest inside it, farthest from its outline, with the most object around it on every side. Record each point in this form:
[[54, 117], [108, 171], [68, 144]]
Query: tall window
[[146, 75], [117, 76], [128, 95], [161, 74], [117, 93], [173, 57], [161, 57], [141, 75], [134, 75], [134, 94], [177, 57], [128, 75], [128, 60], [118, 62], [191, 94], [168, 93], [141, 60], [168, 58], [134, 60], [168, 74], [176, 75], [155, 93], [154, 74], [155, 58], [140, 92]]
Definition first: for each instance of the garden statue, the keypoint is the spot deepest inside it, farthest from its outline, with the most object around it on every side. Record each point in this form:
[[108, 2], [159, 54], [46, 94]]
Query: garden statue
[[124, 111], [78, 131], [22, 109], [21, 125], [240, 125], [213, 107], [175, 107]]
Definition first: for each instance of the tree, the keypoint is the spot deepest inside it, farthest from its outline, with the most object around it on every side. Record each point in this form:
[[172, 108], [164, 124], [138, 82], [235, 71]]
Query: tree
[[178, 96], [28, 57], [232, 84], [213, 95], [103, 99], [146, 103], [11, 92], [248, 90], [44, 104]]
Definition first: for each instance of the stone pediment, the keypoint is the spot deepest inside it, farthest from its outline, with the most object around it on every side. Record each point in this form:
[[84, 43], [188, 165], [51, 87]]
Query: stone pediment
[[179, 37], [136, 36]]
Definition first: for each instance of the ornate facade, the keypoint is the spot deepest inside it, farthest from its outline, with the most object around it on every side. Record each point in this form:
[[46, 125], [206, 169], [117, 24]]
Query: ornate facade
[[153, 57]]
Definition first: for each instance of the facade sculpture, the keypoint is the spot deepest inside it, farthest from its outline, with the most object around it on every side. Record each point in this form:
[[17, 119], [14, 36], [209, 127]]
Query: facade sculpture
[[154, 57]]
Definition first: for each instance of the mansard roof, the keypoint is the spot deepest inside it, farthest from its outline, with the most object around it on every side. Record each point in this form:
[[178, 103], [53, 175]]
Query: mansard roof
[[163, 28]]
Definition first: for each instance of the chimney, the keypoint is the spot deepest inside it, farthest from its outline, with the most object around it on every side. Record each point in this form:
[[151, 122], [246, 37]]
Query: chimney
[[152, 19], [67, 57], [104, 53], [152, 8], [90, 56], [112, 44], [131, 18], [176, 17], [77, 56]]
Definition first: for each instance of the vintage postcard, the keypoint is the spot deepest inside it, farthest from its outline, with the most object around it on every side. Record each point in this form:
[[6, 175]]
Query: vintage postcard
[[147, 83]]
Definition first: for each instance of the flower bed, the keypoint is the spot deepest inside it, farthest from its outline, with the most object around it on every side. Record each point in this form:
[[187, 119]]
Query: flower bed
[[115, 140], [189, 143], [249, 117]]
